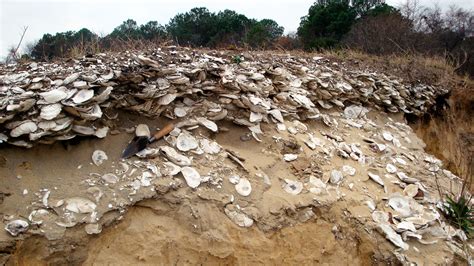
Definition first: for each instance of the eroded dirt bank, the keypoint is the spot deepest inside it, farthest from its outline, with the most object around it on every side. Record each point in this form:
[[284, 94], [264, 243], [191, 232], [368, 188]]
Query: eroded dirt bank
[[448, 130]]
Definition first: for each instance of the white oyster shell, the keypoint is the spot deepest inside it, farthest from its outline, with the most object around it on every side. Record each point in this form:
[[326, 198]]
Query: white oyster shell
[[376, 178], [98, 157], [207, 123], [391, 235], [16, 227], [170, 169], [243, 187], [186, 141], [142, 130], [401, 205], [290, 157], [93, 229], [54, 96], [387, 136], [83, 96], [174, 156], [25, 128], [293, 187], [80, 205], [191, 176], [37, 216], [210, 147], [239, 218], [391, 168], [336, 177], [110, 178], [49, 112]]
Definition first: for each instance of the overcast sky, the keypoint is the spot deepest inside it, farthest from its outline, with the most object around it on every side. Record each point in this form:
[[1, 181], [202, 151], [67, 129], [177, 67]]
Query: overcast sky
[[102, 16]]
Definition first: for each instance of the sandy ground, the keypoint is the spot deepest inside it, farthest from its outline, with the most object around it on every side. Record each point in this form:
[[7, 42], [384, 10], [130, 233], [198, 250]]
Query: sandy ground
[[170, 223]]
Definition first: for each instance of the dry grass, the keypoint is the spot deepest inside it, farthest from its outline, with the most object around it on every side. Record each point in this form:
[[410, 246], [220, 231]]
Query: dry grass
[[413, 68]]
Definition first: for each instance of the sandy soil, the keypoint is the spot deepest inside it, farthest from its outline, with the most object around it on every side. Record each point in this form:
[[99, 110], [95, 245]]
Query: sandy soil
[[174, 224]]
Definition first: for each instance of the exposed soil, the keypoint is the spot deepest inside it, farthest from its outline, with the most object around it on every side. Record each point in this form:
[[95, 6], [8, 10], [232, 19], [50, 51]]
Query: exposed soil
[[448, 131]]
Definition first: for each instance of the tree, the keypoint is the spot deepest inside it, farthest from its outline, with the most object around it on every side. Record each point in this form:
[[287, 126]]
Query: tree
[[127, 30], [195, 27], [61, 44], [263, 33], [326, 23], [152, 31], [231, 28]]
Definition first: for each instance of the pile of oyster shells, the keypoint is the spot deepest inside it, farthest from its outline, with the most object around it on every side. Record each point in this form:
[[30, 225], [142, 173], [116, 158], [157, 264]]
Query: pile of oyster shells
[[46, 102]]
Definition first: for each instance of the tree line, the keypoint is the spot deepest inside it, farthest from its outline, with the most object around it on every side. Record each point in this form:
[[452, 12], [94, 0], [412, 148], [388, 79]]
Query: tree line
[[197, 28], [371, 26]]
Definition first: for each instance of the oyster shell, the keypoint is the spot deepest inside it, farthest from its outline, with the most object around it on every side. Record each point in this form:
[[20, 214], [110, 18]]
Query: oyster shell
[[16, 227], [290, 157], [243, 187], [293, 187], [80, 205], [26, 127], [49, 112], [110, 178], [186, 141], [83, 96], [207, 123], [174, 156], [336, 177], [98, 157], [191, 176], [54, 96], [238, 218], [142, 130], [391, 235]]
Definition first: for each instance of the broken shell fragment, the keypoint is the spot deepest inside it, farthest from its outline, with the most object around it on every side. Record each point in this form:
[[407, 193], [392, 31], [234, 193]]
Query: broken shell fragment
[[336, 177], [210, 147], [98, 157], [16, 227], [391, 235], [405, 226], [93, 229], [348, 170], [243, 187], [376, 178], [191, 176], [170, 169], [391, 168], [142, 130], [234, 179], [110, 178], [238, 218]]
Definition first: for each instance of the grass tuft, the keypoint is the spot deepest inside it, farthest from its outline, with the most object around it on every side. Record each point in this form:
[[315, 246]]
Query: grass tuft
[[460, 213]]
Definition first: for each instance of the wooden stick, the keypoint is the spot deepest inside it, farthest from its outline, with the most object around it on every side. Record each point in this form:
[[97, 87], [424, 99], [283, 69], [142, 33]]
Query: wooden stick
[[162, 132]]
